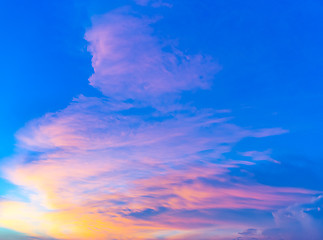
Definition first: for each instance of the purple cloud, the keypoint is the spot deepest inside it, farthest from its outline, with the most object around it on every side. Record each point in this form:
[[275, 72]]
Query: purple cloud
[[130, 62]]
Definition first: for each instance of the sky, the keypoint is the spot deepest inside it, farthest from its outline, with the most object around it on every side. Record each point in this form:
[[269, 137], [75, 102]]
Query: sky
[[161, 119]]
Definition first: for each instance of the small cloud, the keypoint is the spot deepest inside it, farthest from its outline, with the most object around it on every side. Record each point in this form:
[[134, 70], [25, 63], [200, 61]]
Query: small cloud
[[266, 132], [259, 156], [249, 232], [224, 111], [154, 3], [299, 221]]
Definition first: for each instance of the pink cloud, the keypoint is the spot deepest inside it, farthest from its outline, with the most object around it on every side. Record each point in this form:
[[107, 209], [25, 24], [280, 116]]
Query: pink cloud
[[95, 160]]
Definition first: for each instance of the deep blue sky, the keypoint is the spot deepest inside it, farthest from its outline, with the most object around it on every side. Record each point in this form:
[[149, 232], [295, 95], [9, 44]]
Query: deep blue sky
[[44, 61]]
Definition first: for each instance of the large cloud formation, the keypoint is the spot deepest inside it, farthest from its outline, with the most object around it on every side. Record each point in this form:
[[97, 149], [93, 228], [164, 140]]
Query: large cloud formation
[[135, 163], [130, 63]]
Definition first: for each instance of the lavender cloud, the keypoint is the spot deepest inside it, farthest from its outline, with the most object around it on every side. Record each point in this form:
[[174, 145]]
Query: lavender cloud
[[129, 62]]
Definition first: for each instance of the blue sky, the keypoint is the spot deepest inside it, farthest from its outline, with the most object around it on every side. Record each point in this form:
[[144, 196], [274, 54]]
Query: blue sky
[[269, 53], [260, 72]]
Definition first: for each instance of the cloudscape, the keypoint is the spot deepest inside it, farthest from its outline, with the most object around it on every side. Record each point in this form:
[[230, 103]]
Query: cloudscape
[[153, 119]]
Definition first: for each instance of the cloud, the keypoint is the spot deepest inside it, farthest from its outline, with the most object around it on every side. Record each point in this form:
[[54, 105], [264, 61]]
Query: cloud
[[259, 156], [130, 62], [154, 3], [299, 221], [110, 167]]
